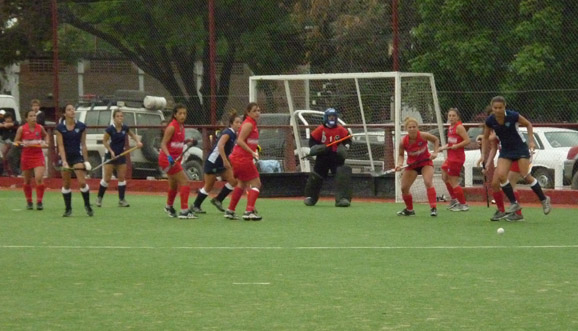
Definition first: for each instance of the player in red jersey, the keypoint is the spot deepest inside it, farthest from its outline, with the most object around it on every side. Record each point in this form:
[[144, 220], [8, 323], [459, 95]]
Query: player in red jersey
[[457, 139], [329, 158], [244, 168], [32, 137], [171, 148], [419, 162]]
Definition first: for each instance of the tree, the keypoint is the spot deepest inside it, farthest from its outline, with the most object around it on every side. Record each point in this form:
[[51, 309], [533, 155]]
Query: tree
[[478, 49]]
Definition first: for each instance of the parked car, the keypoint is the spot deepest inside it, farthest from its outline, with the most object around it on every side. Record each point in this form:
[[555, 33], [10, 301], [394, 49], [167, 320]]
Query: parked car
[[98, 112], [552, 148], [571, 167]]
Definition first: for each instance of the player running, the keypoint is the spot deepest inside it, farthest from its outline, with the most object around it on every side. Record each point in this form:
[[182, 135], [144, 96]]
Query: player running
[[244, 169], [217, 164], [419, 162], [329, 158], [457, 139], [71, 140], [114, 140], [505, 124], [32, 138], [171, 148]]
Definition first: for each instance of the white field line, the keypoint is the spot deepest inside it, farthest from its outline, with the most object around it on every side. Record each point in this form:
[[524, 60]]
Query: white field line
[[287, 248]]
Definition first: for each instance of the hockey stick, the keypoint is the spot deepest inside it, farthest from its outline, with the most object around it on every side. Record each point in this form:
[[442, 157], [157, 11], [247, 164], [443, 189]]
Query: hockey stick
[[392, 170], [331, 144], [16, 144], [487, 192], [128, 151], [178, 159]]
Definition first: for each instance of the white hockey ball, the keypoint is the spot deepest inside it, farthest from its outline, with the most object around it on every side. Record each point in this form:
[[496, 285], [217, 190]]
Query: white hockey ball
[[501, 231]]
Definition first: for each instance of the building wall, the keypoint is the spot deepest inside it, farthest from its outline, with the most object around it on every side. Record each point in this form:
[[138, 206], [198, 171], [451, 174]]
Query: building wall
[[103, 78]]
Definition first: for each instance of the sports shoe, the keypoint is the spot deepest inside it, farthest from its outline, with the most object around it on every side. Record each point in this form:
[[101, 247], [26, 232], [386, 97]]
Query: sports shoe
[[29, 206], [123, 203], [99, 201], [343, 202], [433, 212], [89, 210], [197, 210], [170, 211], [39, 206], [67, 213], [252, 216], [218, 204], [498, 215], [406, 212], [460, 207], [546, 207], [513, 208], [187, 214], [514, 217], [231, 215], [453, 203]]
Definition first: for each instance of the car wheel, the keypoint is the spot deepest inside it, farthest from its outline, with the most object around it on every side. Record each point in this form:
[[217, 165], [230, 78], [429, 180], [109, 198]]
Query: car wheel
[[574, 183], [94, 160], [193, 170], [545, 177]]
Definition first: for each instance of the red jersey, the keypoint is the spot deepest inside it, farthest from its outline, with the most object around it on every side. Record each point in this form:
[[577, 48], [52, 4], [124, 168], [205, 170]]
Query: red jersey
[[417, 150], [455, 155], [32, 137], [252, 141], [327, 135], [177, 142]]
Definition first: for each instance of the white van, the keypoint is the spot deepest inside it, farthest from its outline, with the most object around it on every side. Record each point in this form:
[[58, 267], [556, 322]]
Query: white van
[[8, 104]]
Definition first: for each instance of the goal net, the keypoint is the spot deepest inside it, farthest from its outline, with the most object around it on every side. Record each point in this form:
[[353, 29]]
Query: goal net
[[371, 105]]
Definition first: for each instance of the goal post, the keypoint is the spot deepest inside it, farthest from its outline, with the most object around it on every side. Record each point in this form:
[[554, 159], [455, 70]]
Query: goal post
[[372, 105]]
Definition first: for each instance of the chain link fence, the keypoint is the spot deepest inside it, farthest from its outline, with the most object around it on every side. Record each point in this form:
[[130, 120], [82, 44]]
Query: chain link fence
[[524, 50]]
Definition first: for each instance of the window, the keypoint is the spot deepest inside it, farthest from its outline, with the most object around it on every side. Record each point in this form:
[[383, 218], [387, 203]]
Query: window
[[97, 118]]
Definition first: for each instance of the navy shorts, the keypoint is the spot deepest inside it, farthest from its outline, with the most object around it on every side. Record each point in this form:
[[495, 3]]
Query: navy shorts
[[211, 168], [119, 161], [515, 155], [72, 160]]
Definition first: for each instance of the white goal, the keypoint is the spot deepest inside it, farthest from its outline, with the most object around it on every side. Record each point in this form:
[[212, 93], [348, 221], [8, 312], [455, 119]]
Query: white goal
[[372, 106]]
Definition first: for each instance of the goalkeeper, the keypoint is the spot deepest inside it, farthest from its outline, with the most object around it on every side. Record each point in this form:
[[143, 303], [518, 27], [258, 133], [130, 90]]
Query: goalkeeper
[[329, 158]]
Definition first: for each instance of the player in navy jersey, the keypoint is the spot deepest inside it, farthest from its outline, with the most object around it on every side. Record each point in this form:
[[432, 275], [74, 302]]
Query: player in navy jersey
[[513, 148], [217, 164], [114, 140], [71, 140]]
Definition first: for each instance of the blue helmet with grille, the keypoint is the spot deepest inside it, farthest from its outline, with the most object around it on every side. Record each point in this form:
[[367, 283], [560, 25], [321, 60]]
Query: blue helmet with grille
[[330, 117]]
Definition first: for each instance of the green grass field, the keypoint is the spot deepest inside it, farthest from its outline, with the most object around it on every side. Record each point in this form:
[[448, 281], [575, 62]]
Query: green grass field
[[301, 268]]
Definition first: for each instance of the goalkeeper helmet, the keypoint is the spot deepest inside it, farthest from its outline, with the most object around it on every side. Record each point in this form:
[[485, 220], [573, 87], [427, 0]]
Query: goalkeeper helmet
[[330, 117]]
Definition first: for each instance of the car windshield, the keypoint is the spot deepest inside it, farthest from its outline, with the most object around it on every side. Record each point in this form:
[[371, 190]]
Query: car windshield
[[562, 139]]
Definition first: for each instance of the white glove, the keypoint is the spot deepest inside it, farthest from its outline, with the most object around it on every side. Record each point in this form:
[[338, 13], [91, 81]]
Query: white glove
[[87, 166]]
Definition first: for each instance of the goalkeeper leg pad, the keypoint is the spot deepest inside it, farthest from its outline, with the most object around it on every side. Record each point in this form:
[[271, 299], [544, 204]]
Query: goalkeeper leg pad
[[312, 189], [344, 193]]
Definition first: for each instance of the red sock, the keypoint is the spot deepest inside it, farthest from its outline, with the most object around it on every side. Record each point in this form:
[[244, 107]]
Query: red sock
[[185, 191], [171, 197], [40, 192], [408, 199], [252, 198], [451, 190], [460, 195], [517, 195], [432, 197], [499, 197], [28, 192], [235, 197]]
